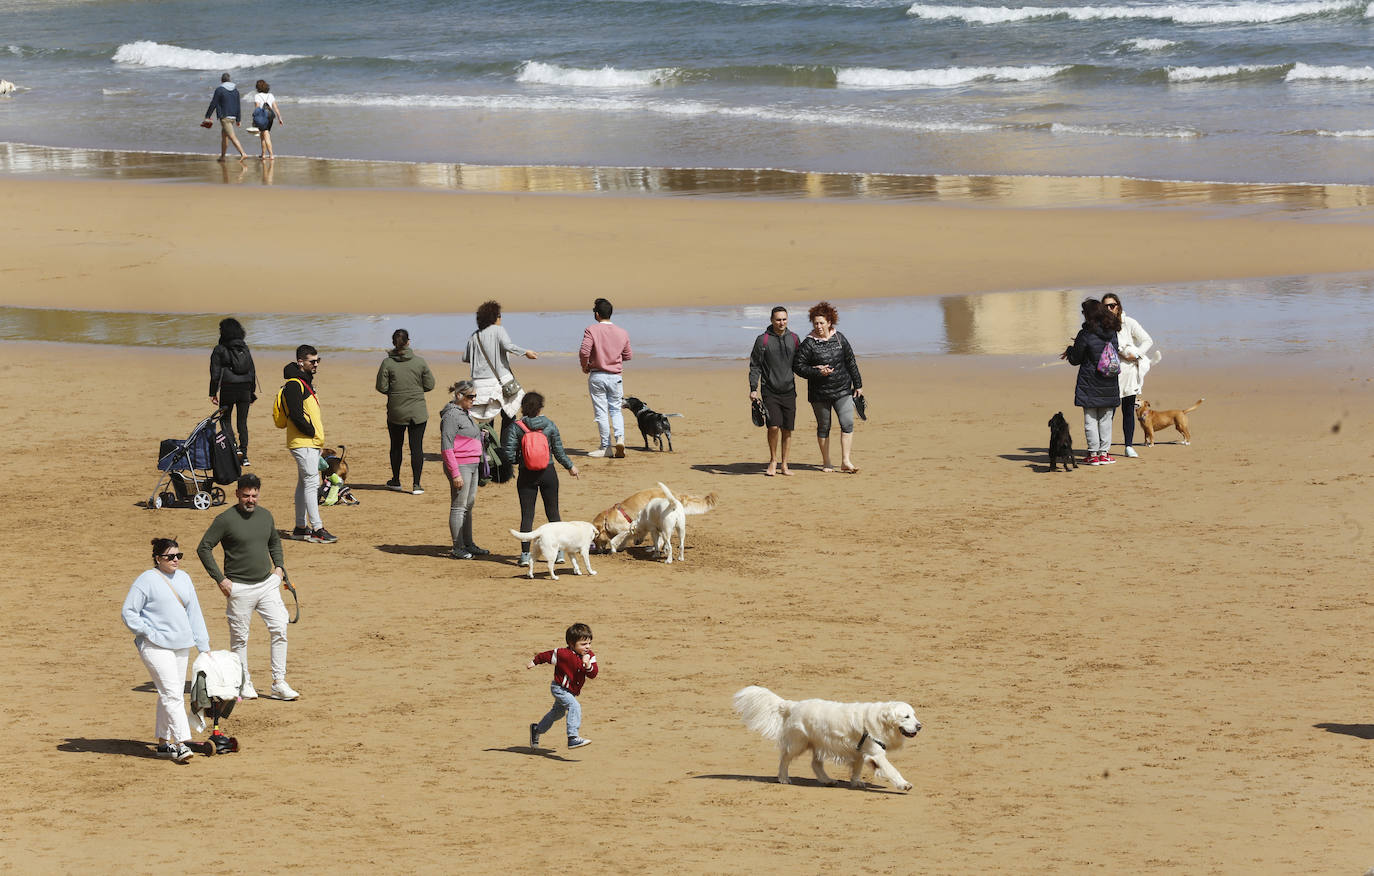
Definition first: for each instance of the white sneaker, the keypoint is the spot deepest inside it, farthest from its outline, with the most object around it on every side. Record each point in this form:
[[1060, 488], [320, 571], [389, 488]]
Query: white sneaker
[[249, 692], [181, 753], [1130, 452], [282, 691], [598, 454]]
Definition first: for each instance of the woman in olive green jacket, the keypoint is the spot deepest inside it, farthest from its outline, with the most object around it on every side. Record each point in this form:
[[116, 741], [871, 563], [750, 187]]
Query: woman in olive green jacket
[[404, 378]]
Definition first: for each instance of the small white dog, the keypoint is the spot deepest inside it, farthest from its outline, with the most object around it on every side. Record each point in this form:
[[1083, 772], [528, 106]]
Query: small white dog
[[6, 86], [573, 536], [661, 518], [846, 733]]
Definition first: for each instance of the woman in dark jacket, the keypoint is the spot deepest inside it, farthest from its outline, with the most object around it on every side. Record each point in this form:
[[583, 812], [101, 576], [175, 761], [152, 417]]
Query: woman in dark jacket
[[827, 362], [531, 483], [1096, 393], [404, 378], [232, 379]]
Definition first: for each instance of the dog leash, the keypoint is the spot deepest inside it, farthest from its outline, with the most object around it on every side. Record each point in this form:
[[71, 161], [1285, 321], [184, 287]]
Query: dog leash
[[864, 738], [286, 582]]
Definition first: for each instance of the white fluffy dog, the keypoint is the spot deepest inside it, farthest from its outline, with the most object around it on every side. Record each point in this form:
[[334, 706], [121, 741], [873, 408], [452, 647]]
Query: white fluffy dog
[[573, 536], [846, 733], [6, 86], [662, 519]]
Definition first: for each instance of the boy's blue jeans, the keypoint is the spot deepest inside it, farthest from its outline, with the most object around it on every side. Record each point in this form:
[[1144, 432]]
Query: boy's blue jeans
[[564, 703]]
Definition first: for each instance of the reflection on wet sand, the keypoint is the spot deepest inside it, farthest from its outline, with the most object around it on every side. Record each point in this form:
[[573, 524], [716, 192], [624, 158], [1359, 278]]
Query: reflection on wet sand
[[1321, 315], [1006, 191]]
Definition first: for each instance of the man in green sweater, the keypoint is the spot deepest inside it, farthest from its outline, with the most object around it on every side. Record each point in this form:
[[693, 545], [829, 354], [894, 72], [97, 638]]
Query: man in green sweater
[[251, 579]]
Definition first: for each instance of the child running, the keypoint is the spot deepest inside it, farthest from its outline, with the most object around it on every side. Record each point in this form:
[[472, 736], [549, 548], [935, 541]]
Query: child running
[[572, 666]]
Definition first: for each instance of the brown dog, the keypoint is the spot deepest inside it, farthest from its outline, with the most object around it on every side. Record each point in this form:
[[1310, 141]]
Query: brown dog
[[335, 460], [1153, 421], [621, 516]]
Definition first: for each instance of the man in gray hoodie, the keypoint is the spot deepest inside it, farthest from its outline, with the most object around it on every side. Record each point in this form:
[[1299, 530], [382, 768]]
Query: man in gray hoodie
[[772, 384]]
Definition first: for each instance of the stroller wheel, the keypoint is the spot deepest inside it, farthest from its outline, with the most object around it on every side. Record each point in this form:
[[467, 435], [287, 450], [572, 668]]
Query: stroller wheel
[[154, 502], [201, 501], [217, 496]]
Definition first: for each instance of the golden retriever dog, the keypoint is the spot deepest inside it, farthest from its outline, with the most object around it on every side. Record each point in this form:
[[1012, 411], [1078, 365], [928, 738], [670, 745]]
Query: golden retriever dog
[[621, 517], [571, 536], [661, 519], [1153, 421], [851, 734]]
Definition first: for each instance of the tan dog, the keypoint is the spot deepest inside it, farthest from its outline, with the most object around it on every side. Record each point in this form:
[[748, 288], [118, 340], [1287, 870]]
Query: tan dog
[[620, 518], [1153, 421], [335, 460]]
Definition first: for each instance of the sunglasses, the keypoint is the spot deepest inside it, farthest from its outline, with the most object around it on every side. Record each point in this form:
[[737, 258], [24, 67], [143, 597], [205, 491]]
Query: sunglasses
[[469, 395], [172, 556], [1114, 306]]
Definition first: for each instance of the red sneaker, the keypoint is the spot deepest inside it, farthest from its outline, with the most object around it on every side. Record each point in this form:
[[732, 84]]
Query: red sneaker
[[1106, 459]]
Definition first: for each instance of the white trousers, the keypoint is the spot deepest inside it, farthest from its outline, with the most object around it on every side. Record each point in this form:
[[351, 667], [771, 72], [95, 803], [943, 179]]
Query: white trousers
[[307, 486], [264, 598], [168, 670]]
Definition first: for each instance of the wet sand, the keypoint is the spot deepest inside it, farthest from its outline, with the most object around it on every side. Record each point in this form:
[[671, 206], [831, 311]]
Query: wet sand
[[197, 248], [1157, 666]]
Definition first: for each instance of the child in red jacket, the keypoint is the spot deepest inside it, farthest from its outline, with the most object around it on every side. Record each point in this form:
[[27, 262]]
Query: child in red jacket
[[572, 666]]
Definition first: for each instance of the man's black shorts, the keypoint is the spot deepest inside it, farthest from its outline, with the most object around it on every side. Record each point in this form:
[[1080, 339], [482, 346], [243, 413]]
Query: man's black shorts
[[782, 409]]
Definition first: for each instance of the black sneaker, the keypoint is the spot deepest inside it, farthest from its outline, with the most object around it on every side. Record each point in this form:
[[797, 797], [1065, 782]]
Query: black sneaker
[[244, 462], [578, 741], [165, 751], [460, 555], [322, 536], [396, 485], [478, 551], [416, 490], [534, 736], [302, 533]]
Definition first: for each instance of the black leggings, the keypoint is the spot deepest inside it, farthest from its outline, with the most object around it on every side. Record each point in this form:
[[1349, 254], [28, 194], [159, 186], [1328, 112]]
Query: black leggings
[[1128, 419], [238, 398], [528, 485], [417, 453]]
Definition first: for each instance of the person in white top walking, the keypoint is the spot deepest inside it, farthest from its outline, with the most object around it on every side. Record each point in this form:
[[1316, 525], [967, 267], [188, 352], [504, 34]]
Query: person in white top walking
[[264, 98], [1132, 345], [164, 615]]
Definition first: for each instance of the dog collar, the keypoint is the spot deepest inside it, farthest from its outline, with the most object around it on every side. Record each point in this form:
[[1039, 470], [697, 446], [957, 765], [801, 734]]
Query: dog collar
[[864, 738], [621, 509]]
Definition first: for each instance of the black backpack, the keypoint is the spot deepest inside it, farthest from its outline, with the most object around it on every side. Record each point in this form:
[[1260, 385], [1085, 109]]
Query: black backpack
[[240, 360]]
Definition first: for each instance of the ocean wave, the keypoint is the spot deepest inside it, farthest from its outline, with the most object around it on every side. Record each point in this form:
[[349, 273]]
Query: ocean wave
[[1146, 45], [118, 92], [583, 104], [538, 73], [145, 53], [1311, 72], [875, 77], [1114, 131], [1191, 13], [1200, 74], [1364, 134]]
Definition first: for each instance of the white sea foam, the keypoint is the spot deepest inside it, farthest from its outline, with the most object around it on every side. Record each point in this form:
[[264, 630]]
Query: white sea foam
[[145, 53], [1198, 74], [536, 72], [1363, 133], [1144, 45], [1307, 72], [876, 77], [1171, 133], [117, 92], [1180, 13]]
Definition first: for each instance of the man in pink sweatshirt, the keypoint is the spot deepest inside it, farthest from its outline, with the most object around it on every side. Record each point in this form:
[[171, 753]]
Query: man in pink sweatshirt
[[605, 349]]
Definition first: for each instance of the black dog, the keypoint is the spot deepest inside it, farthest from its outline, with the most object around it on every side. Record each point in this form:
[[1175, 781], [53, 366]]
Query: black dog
[[1061, 442], [652, 424]]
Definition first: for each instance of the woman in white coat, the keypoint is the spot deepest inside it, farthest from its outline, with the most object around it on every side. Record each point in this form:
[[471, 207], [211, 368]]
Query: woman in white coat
[[163, 613], [1133, 344]]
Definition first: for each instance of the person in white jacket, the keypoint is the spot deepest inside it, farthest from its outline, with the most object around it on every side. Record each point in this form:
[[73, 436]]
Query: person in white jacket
[[1133, 345], [164, 615]]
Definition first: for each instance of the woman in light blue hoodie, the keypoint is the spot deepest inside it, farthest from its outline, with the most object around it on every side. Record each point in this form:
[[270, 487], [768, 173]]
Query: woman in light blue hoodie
[[164, 615]]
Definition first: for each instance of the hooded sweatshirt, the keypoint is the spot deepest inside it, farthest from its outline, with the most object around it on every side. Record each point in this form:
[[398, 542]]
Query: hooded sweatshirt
[[404, 378], [460, 439], [305, 424]]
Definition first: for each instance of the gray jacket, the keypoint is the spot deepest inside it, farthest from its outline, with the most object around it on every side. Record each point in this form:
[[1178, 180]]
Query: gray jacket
[[497, 346]]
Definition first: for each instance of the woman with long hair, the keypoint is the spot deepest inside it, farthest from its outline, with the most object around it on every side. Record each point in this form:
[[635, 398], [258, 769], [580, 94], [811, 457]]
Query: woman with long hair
[[498, 392], [1094, 391], [233, 378], [1133, 344]]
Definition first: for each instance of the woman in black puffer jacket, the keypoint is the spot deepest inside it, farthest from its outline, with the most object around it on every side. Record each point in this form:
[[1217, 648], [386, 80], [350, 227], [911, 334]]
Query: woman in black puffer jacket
[[1096, 393], [827, 362], [232, 379]]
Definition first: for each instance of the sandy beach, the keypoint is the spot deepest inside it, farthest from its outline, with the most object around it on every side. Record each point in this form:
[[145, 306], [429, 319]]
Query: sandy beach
[[1157, 666]]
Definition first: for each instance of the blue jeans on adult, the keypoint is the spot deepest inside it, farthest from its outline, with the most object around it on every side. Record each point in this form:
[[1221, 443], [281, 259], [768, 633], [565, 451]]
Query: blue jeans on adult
[[564, 703], [607, 390]]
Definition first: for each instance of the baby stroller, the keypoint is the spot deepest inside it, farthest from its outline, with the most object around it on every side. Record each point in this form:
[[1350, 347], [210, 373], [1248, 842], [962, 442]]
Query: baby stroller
[[217, 682], [192, 467]]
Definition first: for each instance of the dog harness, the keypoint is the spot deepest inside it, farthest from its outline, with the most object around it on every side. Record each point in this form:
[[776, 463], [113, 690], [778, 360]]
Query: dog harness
[[864, 738]]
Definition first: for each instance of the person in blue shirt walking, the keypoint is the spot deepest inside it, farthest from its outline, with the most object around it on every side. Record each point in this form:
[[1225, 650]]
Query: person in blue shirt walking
[[164, 615], [224, 104]]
